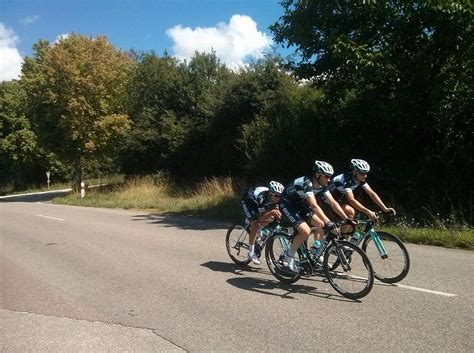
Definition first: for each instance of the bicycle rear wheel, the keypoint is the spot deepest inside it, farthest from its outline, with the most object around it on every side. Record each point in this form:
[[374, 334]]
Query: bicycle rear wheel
[[274, 250], [391, 268], [354, 277], [237, 244]]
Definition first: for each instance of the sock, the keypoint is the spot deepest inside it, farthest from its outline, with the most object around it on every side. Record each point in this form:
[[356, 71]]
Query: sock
[[251, 249], [291, 252]]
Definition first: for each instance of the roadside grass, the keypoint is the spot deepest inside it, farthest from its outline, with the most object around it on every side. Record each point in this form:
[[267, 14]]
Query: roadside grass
[[218, 198]]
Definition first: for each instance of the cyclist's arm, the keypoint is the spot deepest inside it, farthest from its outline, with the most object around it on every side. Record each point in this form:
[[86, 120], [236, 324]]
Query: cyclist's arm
[[376, 198], [335, 206], [357, 205], [316, 209]]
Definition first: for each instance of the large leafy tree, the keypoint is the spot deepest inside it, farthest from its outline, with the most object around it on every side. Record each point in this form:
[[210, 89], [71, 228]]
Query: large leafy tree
[[77, 97], [397, 75]]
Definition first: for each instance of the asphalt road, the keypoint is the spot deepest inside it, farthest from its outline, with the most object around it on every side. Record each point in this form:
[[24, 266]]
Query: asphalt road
[[87, 279]]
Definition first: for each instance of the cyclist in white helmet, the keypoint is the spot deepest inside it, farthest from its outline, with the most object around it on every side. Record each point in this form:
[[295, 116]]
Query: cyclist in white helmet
[[298, 204], [343, 186], [260, 204]]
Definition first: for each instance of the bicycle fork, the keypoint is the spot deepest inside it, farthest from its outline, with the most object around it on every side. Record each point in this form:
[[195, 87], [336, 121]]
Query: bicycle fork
[[378, 244]]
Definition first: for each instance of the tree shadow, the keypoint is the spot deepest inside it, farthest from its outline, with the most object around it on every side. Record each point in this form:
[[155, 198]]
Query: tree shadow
[[180, 221], [267, 286]]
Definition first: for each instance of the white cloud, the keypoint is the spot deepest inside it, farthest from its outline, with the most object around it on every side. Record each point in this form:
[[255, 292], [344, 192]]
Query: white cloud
[[232, 43], [61, 37], [10, 58], [29, 20]]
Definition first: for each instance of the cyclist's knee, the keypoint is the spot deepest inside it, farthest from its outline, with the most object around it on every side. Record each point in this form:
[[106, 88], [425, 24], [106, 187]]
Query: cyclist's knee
[[348, 210]]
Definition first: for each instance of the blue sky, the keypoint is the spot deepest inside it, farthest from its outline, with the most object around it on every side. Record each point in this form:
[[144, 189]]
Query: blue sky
[[236, 29]]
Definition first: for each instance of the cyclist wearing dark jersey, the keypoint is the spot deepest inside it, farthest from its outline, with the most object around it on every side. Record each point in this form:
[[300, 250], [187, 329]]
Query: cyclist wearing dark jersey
[[298, 204], [342, 188], [260, 204]]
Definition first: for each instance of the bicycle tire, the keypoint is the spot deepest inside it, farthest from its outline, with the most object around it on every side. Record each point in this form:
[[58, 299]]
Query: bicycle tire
[[397, 257], [362, 278], [273, 256], [237, 244]]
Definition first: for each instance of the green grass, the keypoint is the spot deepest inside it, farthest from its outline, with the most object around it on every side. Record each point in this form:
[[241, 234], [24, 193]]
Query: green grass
[[449, 238], [218, 199]]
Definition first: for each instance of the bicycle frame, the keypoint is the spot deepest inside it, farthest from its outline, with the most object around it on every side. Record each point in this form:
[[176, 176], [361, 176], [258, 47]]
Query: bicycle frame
[[370, 232]]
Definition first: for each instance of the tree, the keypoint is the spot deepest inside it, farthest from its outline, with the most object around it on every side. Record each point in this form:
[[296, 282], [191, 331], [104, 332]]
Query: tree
[[77, 98], [398, 78], [19, 152]]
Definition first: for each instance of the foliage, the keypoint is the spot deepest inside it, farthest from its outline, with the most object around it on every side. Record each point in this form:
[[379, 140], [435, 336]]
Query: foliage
[[77, 90]]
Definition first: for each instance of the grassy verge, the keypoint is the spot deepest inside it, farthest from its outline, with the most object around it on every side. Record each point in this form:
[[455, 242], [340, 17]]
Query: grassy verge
[[217, 199]]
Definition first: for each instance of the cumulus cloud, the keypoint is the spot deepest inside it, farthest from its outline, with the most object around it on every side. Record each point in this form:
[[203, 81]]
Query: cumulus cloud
[[10, 58], [60, 37], [232, 43], [29, 19]]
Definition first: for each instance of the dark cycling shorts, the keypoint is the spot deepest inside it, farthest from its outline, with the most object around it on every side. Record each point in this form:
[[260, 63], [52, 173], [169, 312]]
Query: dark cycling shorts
[[296, 213], [250, 209]]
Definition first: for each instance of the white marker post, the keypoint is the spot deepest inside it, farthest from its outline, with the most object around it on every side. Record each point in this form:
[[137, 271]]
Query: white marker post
[[83, 189], [47, 176]]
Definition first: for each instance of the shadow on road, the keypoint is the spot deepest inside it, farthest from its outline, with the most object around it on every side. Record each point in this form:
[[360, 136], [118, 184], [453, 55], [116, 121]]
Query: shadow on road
[[38, 197], [267, 286], [179, 221]]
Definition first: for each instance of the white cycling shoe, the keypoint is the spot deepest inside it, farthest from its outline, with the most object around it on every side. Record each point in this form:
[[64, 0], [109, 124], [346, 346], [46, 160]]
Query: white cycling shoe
[[254, 258]]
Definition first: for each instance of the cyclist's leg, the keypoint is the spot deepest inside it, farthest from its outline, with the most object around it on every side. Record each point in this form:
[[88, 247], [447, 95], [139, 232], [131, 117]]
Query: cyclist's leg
[[249, 208]]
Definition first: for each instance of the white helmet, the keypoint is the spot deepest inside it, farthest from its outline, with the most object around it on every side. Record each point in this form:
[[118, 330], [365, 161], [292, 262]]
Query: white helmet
[[360, 165], [276, 188], [323, 168]]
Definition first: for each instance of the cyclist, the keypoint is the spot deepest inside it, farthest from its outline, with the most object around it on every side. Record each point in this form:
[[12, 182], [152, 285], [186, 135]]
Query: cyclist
[[298, 204], [260, 206], [342, 188]]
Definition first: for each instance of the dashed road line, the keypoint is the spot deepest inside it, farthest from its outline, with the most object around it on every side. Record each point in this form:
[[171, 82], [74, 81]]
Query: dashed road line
[[49, 217]]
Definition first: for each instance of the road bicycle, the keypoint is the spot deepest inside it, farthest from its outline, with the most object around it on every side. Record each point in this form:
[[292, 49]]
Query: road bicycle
[[237, 240], [388, 255], [354, 277]]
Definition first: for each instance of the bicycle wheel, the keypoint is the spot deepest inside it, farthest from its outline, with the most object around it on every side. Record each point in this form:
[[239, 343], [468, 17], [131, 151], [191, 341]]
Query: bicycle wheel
[[353, 279], [237, 244], [274, 250], [395, 266]]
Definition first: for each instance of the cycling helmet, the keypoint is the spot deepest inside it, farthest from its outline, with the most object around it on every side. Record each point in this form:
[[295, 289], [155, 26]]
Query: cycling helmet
[[323, 168], [360, 165], [276, 188]]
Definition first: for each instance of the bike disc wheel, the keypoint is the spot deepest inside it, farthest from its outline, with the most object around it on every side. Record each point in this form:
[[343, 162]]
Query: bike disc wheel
[[354, 277], [237, 244], [395, 266], [274, 251]]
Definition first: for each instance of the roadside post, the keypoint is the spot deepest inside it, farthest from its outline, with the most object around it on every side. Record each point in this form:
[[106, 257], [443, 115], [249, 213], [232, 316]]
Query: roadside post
[[47, 176], [83, 189]]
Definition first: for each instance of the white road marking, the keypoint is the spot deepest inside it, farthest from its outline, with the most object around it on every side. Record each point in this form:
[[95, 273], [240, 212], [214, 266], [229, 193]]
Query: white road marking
[[426, 290], [410, 287], [58, 219]]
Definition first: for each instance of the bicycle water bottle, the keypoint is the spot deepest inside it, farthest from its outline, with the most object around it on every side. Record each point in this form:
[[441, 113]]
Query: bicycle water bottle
[[355, 238], [265, 232], [316, 248]]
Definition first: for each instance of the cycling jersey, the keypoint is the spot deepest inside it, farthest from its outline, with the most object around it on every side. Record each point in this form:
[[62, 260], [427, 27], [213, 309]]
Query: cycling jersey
[[301, 188], [256, 200], [293, 199], [341, 184]]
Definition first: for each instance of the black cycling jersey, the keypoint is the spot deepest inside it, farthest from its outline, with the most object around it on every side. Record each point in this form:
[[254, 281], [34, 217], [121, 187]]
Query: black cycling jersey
[[301, 188], [341, 184], [293, 199], [256, 200]]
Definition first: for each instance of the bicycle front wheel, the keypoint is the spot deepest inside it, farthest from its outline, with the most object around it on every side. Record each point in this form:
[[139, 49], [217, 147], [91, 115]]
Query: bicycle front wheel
[[237, 244], [274, 256], [393, 266], [354, 277]]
